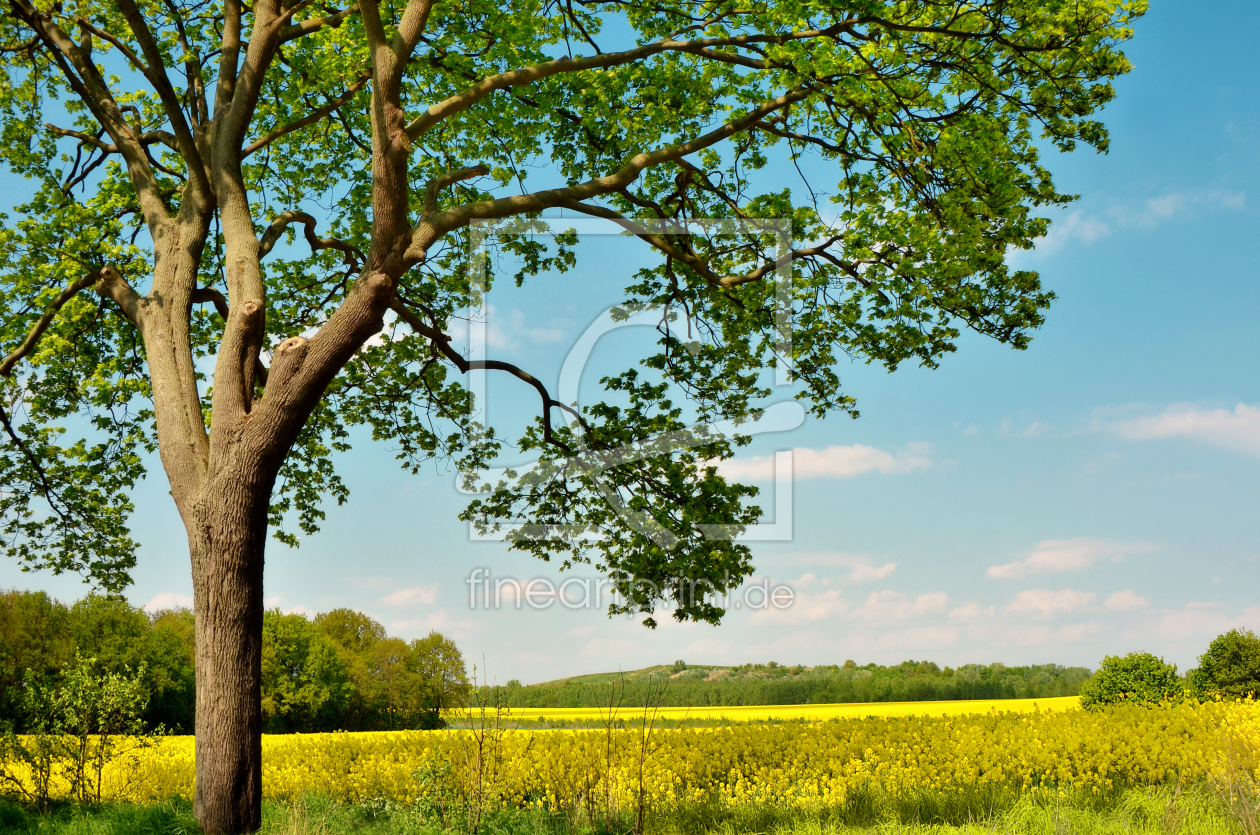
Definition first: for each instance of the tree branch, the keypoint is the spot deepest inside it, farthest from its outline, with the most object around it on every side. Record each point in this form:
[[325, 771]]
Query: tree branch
[[161, 82], [229, 56], [83, 76], [112, 285], [209, 295], [529, 75], [41, 324], [310, 25], [309, 119], [151, 137], [108, 282], [33, 460], [450, 178], [353, 256], [442, 342], [192, 70], [431, 228]]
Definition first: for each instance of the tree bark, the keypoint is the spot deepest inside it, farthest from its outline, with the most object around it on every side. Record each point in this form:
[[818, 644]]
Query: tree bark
[[227, 535]]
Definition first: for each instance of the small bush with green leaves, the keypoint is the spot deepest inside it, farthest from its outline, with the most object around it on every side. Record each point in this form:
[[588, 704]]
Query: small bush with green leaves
[[1230, 668], [1138, 677]]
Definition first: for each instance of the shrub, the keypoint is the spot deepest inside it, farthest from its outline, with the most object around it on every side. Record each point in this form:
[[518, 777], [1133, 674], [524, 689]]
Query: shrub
[[77, 729], [1230, 668], [1137, 678]]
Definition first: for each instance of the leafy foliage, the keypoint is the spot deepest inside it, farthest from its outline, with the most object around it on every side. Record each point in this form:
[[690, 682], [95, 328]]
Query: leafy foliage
[[304, 683], [1230, 668], [41, 638], [1136, 678]]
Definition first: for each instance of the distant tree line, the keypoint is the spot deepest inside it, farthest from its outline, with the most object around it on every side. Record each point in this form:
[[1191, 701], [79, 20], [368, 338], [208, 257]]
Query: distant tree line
[[775, 684], [338, 671]]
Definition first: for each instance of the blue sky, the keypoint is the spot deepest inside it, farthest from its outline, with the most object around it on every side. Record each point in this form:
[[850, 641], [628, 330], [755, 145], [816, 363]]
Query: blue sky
[[1093, 495]]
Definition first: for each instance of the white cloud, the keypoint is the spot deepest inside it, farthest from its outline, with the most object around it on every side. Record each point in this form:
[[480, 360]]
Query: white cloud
[[891, 605], [1037, 634], [1156, 210], [863, 573], [971, 611], [1126, 600], [411, 596], [169, 600], [805, 608], [832, 462], [506, 331], [920, 638], [1053, 555], [1050, 602], [1073, 632], [274, 603], [1075, 227], [1237, 430], [1031, 429], [862, 570], [439, 620], [1201, 620], [1146, 214]]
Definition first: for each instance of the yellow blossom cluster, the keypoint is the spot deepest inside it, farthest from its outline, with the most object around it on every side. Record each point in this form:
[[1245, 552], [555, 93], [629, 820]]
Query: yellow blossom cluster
[[801, 763]]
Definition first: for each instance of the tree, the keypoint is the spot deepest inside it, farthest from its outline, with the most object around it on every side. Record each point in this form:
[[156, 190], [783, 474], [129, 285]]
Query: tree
[[110, 630], [304, 683], [35, 646], [388, 665], [441, 671], [1137, 678], [170, 146], [74, 731], [1230, 668], [121, 637], [350, 629], [355, 634], [171, 664]]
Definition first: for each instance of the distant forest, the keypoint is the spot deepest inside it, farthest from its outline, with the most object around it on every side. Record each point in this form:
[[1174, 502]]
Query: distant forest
[[775, 684], [338, 671]]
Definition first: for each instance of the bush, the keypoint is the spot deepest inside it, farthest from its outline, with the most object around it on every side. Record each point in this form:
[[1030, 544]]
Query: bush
[[1230, 668], [1137, 678], [78, 728]]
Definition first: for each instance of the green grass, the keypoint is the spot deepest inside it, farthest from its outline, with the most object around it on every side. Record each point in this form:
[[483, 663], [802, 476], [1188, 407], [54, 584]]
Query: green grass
[[1155, 811]]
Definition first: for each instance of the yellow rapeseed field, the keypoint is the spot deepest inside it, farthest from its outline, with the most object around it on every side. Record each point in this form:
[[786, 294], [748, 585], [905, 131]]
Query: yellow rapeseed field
[[804, 764], [751, 713]]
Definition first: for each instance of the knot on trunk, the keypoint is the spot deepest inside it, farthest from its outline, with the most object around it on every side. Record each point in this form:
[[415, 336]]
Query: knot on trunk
[[287, 360], [250, 311], [106, 276]]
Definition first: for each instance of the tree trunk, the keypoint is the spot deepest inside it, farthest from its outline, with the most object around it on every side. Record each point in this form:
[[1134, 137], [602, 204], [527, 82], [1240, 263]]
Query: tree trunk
[[227, 537]]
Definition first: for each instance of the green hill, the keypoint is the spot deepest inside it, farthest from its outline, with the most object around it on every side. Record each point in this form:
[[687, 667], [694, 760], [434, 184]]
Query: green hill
[[774, 684]]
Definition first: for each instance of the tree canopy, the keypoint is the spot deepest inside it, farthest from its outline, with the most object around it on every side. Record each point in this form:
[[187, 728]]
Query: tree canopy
[[930, 116]]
